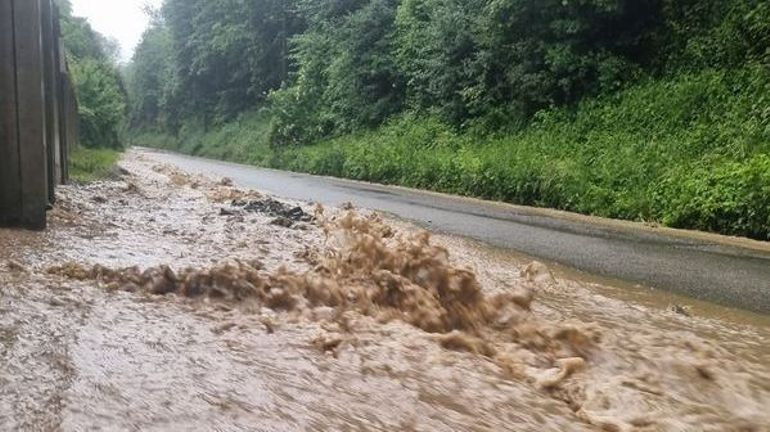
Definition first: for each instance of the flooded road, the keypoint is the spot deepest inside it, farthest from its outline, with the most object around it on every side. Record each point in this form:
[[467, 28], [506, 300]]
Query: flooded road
[[725, 270], [162, 300]]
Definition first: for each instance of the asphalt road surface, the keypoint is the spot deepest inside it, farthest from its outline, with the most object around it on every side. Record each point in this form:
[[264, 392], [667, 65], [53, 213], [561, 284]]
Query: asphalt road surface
[[709, 268]]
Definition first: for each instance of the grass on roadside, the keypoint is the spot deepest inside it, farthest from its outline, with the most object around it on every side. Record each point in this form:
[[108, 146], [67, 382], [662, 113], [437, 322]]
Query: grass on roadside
[[87, 164], [686, 151]]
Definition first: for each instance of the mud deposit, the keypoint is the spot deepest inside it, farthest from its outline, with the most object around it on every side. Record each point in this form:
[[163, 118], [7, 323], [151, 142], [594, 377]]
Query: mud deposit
[[165, 301]]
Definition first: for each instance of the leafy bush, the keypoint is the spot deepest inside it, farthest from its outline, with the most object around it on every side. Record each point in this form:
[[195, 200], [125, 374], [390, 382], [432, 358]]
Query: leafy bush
[[689, 151], [655, 110], [99, 88], [101, 103], [721, 196], [346, 76]]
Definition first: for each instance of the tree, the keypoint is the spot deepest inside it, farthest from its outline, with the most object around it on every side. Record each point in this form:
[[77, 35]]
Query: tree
[[101, 102], [228, 54], [326, 67], [150, 79], [346, 75], [98, 85]]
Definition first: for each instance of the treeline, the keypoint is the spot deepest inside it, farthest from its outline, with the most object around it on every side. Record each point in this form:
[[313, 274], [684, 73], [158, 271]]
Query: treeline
[[101, 94], [327, 67], [655, 110], [207, 61]]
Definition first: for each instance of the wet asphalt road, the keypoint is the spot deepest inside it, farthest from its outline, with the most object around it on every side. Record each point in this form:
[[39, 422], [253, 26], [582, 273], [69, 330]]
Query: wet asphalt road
[[703, 269]]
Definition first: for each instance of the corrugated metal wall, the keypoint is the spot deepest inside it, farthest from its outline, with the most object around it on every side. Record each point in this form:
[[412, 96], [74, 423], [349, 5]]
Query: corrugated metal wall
[[38, 111]]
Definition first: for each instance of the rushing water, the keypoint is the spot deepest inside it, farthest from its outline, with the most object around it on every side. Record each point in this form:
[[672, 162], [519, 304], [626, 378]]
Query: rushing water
[[78, 352]]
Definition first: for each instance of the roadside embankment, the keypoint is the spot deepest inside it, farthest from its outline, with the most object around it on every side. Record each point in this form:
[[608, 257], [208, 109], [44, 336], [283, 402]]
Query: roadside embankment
[[686, 151]]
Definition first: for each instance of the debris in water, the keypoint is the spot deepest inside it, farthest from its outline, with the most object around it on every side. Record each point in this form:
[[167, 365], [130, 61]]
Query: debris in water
[[704, 371], [274, 208], [71, 271], [15, 266], [680, 309], [269, 325], [282, 222], [177, 177], [223, 328], [131, 187]]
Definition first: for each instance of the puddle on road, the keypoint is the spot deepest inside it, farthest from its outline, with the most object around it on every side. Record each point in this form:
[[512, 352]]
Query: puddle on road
[[347, 322]]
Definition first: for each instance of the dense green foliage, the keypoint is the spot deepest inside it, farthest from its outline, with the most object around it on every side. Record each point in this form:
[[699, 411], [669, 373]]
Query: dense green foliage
[[346, 77], [329, 67], [689, 152], [209, 61], [150, 80], [649, 109], [97, 81], [684, 152]]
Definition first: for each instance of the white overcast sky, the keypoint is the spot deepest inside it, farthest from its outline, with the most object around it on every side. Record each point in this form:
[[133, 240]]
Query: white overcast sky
[[119, 19]]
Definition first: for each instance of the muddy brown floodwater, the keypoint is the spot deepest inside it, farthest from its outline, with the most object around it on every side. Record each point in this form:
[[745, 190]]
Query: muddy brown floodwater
[[160, 300]]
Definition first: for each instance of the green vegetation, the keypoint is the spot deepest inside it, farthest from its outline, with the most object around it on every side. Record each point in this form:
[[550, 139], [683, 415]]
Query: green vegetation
[[244, 139], [685, 152], [101, 95], [653, 110], [98, 84], [88, 164]]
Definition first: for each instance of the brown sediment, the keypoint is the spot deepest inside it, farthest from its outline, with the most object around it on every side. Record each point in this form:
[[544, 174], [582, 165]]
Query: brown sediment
[[337, 326], [175, 176], [458, 341], [368, 269], [228, 193], [564, 369]]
